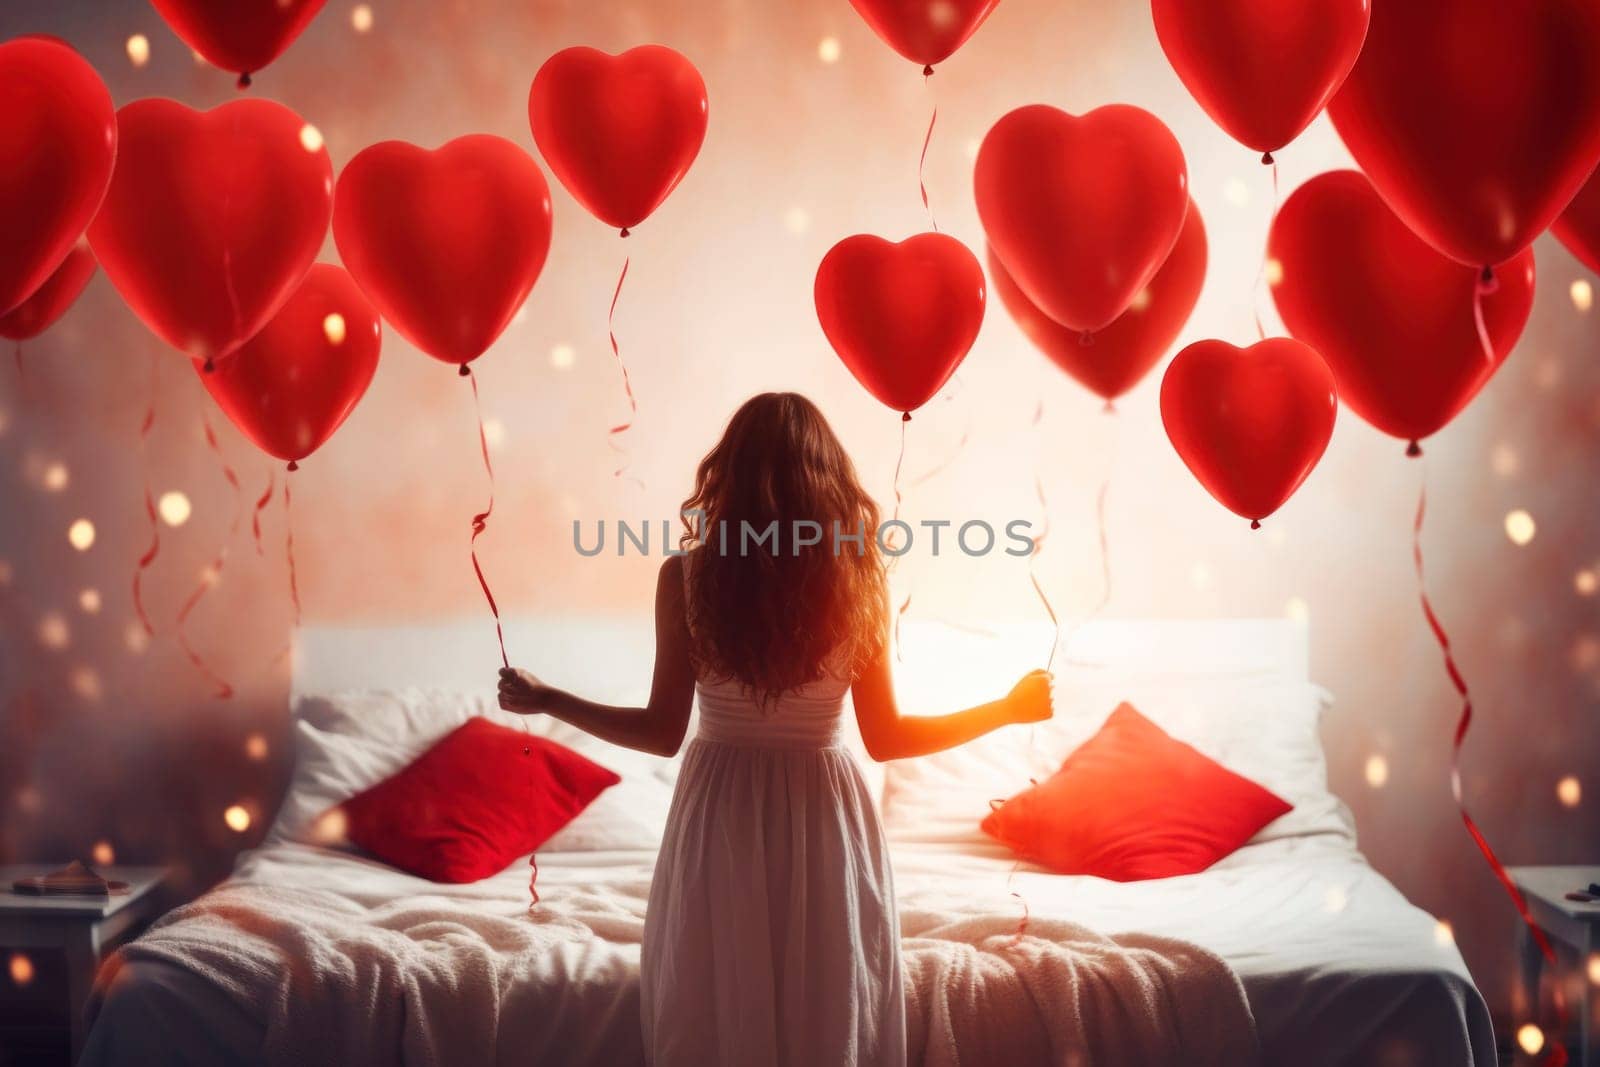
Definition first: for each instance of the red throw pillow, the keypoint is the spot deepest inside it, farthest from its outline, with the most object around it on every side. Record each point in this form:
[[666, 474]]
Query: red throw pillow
[[1132, 803], [479, 798]]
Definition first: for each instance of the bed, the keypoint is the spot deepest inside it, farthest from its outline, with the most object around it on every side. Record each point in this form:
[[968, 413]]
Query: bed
[[1335, 966]]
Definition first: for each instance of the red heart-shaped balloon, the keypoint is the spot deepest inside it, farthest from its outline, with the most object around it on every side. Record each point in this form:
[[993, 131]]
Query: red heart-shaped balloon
[[1082, 211], [619, 132], [58, 141], [1477, 120], [1123, 352], [1391, 316], [238, 35], [901, 316], [1579, 225], [446, 243], [212, 218], [1249, 423], [51, 300], [291, 386], [1262, 69], [924, 31]]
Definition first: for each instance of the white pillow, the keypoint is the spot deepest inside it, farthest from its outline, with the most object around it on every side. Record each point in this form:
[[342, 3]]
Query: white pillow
[[348, 742], [1258, 726]]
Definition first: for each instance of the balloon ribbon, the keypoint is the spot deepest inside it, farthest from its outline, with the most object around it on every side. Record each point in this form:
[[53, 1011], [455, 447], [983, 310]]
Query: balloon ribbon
[[899, 464], [261, 502], [480, 521], [1486, 285], [1558, 1054], [213, 570], [1038, 543], [922, 162], [627, 382], [150, 553], [288, 548], [1255, 290]]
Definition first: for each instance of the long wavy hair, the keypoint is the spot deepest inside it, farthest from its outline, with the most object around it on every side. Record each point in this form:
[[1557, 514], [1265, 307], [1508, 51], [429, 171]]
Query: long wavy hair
[[774, 615]]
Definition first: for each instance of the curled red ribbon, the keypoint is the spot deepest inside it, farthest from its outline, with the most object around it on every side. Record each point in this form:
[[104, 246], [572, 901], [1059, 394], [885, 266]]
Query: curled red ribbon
[[1038, 543], [922, 161], [1558, 1052], [627, 381], [261, 503], [288, 548], [480, 521], [150, 553], [1255, 289], [1486, 285], [213, 570]]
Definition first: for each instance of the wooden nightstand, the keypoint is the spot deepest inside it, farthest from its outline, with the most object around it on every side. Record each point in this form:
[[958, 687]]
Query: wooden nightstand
[[1568, 923], [79, 928]]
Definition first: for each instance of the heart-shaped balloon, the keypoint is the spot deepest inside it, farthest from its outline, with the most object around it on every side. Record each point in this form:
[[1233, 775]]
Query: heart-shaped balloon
[[1262, 69], [446, 243], [1391, 316], [901, 316], [1579, 225], [1249, 423], [924, 31], [238, 35], [212, 218], [1122, 353], [1477, 120], [51, 300], [619, 132], [58, 141], [1082, 211], [291, 386]]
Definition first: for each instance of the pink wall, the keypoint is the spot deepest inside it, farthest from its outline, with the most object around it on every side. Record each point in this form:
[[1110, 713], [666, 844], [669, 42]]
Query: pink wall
[[104, 742]]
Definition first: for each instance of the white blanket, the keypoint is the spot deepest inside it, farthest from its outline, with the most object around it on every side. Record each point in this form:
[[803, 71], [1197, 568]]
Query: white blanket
[[337, 977]]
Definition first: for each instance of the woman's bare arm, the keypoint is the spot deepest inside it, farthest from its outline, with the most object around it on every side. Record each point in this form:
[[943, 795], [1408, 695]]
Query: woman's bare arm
[[659, 726], [890, 735]]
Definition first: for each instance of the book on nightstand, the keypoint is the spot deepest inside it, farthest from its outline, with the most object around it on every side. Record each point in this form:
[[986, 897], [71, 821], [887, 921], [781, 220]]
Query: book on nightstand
[[74, 880]]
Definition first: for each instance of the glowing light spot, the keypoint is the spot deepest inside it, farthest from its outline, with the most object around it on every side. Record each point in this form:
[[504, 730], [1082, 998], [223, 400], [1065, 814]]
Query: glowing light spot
[[494, 431], [333, 328], [796, 220], [563, 356], [1377, 771], [1335, 899], [54, 632], [81, 535], [1530, 1039], [361, 18], [237, 818], [1200, 576], [135, 638], [1297, 609], [330, 827], [1443, 933], [5, 572], [1586, 582], [828, 50], [138, 50], [89, 601], [174, 508], [103, 854], [1520, 527], [1274, 271], [255, 747], [1141, 300], [1594, 969], [1582, 294], [85, 682], [21, 969], [1569, 791], [55, 478], [1236, 192], [1504, 461], [310, 138]]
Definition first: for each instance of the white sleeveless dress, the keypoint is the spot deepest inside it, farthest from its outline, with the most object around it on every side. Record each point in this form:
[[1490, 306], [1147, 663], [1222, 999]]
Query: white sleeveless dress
[[771, 935]]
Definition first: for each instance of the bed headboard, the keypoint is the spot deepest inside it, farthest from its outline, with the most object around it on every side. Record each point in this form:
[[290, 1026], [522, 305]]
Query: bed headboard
[[610, 658]]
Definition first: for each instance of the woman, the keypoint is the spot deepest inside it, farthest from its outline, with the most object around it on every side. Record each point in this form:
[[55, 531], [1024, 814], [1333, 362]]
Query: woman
[[771, 935]]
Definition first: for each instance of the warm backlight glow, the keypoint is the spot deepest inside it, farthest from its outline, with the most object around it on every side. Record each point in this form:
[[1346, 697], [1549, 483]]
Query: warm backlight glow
[[1530, 1039], [81, 534], [1582, 294], [54, 632], [89, 601], [103, 854], [237, 818], [330, 828], [55, 477], [138, 50], [310, 138], [563, 356], [1594, 969], [174, 508], [828, 50], [333, 328], [21, 969], [1520, 527], [361, 18], [85, 682], [1377, 771], [1274, 271], [1569, 791], [1586, 582], [255, 746]]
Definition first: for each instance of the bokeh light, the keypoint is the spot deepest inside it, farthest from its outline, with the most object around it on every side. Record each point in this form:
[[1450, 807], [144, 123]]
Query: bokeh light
[[1594, 969], [1586, 581], [1530, 1039], [797, 220], [1582, 294], [103, 854], [330, 827], [1443, 932], [361, 18], [828, 50], [1377, 771], [138, 50], [55, 477], [1569, 791], [89, 601], [21, 969], [494, 432], [54, 633], [310, 138], [85, 682], [255, 747], [333, 328], [1504, 461], [237, 818], [563, 356], [1296, 609], [174, 507], [135, 638], [1520, 527], [81, 534]]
